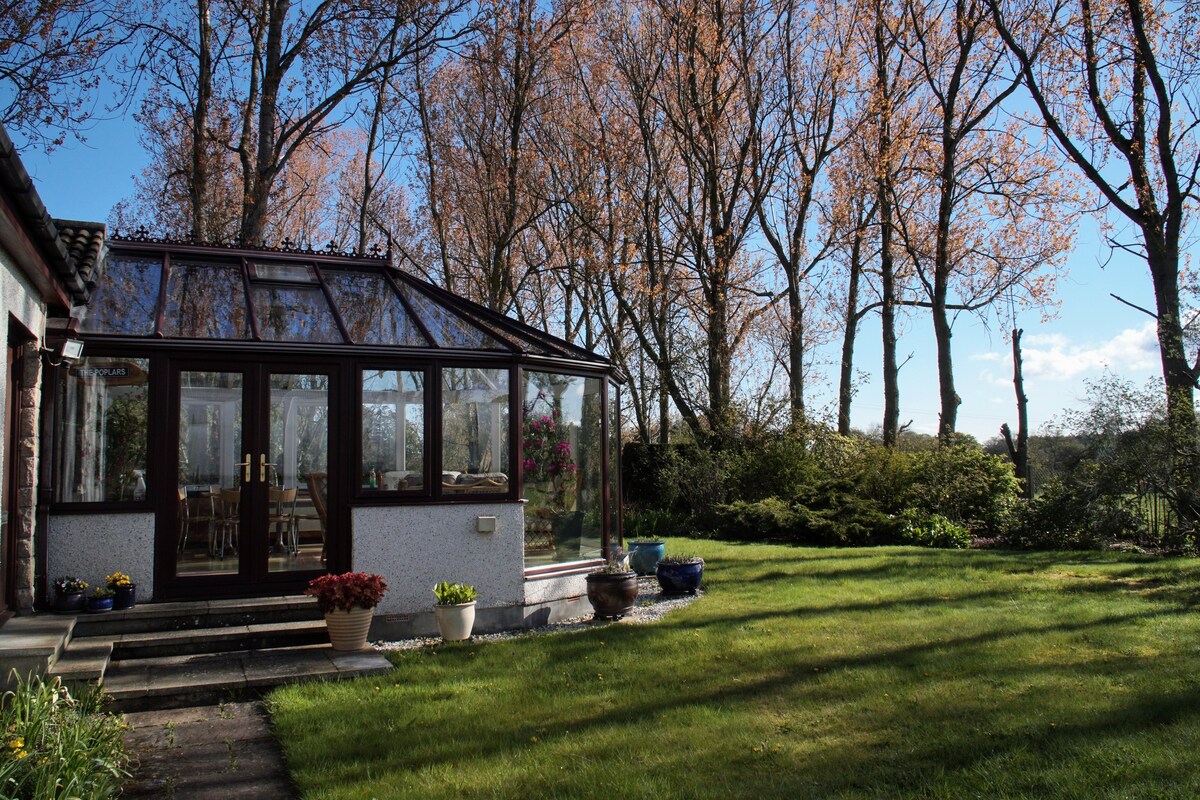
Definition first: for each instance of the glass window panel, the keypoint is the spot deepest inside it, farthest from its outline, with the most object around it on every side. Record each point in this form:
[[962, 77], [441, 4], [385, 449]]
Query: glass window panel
[[299, 456], [284, 273], [294, 314], [561, 437], [475, 418], [614, 463], [102, 430], [205, 301], [372, 312], [125, 299], [447, 329], [393, 430], [210, 477]]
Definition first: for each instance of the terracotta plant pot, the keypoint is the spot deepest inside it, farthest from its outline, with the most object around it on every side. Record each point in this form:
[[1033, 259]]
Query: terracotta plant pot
[[455, 622], [612, 595], [348, 629]]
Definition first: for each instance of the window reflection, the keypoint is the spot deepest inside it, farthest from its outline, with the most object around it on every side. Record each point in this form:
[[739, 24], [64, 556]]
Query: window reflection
[[370, 309], [102, 436], [475, 417], [561, 450], [125, 298], [393, 430], [205, 301], [294, 313]]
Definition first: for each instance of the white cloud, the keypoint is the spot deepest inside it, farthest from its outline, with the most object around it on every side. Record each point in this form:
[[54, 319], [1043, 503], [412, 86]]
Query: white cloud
[[1052, 356]]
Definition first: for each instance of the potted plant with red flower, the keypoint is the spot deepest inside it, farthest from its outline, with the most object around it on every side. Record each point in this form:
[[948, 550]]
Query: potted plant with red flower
[[347, 601]]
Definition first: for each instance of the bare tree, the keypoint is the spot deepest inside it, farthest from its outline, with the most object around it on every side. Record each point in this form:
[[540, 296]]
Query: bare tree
[[54, 59], [1115, 83]]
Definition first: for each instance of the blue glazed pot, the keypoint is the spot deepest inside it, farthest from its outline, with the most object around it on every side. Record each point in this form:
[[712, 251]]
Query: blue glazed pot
[[98, 605], [126, 597], [644, 556], [679, 578]]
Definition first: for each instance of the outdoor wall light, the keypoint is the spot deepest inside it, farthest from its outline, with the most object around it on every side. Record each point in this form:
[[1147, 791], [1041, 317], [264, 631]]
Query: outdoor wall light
[[68, 351]]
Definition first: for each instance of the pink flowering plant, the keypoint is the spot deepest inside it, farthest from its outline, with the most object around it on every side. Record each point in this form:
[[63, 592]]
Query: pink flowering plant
[[546, 450], [346, 591]]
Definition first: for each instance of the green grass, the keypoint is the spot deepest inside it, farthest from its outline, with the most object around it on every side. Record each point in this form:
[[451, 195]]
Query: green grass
[[884, 673]]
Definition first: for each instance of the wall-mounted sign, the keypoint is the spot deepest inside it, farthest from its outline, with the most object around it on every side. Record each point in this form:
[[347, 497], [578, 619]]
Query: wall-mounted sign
[[119, 373], [101, 372]]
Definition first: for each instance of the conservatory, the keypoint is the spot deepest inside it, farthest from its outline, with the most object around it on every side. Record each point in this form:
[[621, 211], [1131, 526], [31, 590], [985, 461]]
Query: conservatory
[[242, 420]]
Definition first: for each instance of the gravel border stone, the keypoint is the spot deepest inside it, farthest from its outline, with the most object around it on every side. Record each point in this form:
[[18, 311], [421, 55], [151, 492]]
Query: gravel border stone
[[651, 605]]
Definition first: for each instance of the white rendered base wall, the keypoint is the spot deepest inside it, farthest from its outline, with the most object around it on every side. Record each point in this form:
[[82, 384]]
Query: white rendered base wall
[[91, 546], [414, 547]]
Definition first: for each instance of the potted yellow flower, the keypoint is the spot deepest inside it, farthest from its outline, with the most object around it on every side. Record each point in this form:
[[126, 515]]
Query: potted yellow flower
[[124, 590]]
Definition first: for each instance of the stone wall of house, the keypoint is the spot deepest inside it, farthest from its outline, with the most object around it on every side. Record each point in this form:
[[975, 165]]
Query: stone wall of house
[[23, 517], [91, 546], [22, 304]]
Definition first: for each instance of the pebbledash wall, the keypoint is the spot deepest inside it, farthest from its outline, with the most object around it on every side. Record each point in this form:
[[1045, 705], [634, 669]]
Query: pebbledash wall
[[413, 547], [92, 546]]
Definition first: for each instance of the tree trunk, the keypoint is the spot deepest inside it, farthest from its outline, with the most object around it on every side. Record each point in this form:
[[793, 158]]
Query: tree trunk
[[198, 186], [846, 377], [1019, 451], [1179, 377], [883, 178]]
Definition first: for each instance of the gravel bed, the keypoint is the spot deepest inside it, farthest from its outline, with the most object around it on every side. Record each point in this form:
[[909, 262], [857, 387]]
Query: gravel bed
[[651, 605]]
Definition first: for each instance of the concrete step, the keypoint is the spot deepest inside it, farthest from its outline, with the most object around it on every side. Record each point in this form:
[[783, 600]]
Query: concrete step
[[191, 641], [32, 644], [206, 678], [193, 614], [84, 661]]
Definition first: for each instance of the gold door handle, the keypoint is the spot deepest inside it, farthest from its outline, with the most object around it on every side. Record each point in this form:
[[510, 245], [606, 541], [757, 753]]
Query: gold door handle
[[262, 467], [245, 465]]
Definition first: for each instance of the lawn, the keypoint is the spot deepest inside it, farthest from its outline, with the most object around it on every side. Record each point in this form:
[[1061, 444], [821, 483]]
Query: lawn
[[886, 673]]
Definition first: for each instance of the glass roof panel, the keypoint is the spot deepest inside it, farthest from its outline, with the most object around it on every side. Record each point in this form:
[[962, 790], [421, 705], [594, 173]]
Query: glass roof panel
[[283, 273], [205, 301], [447, 329], [125, 298], [371, 311], [294, 314]]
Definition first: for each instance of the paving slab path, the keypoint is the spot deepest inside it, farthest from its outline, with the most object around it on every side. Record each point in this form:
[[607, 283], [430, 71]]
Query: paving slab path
[[226, 751]]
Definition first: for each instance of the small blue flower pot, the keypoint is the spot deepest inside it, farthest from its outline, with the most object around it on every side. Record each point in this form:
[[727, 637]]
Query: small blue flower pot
[[644, 556], [98, 605]]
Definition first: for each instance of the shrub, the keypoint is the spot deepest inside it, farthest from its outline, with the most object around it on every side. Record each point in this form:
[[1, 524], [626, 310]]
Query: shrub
[[827, 514], [776, 467], [963, 484], [57, 746], [932, 530], [1067, 516], [653, 523]]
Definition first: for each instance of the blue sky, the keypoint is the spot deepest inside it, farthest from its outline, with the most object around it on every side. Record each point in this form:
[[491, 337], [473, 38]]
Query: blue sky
[[1091, 332]]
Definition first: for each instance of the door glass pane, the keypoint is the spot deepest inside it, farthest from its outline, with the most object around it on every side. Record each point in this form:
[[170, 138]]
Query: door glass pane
[[210, 480], [298, 472]]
